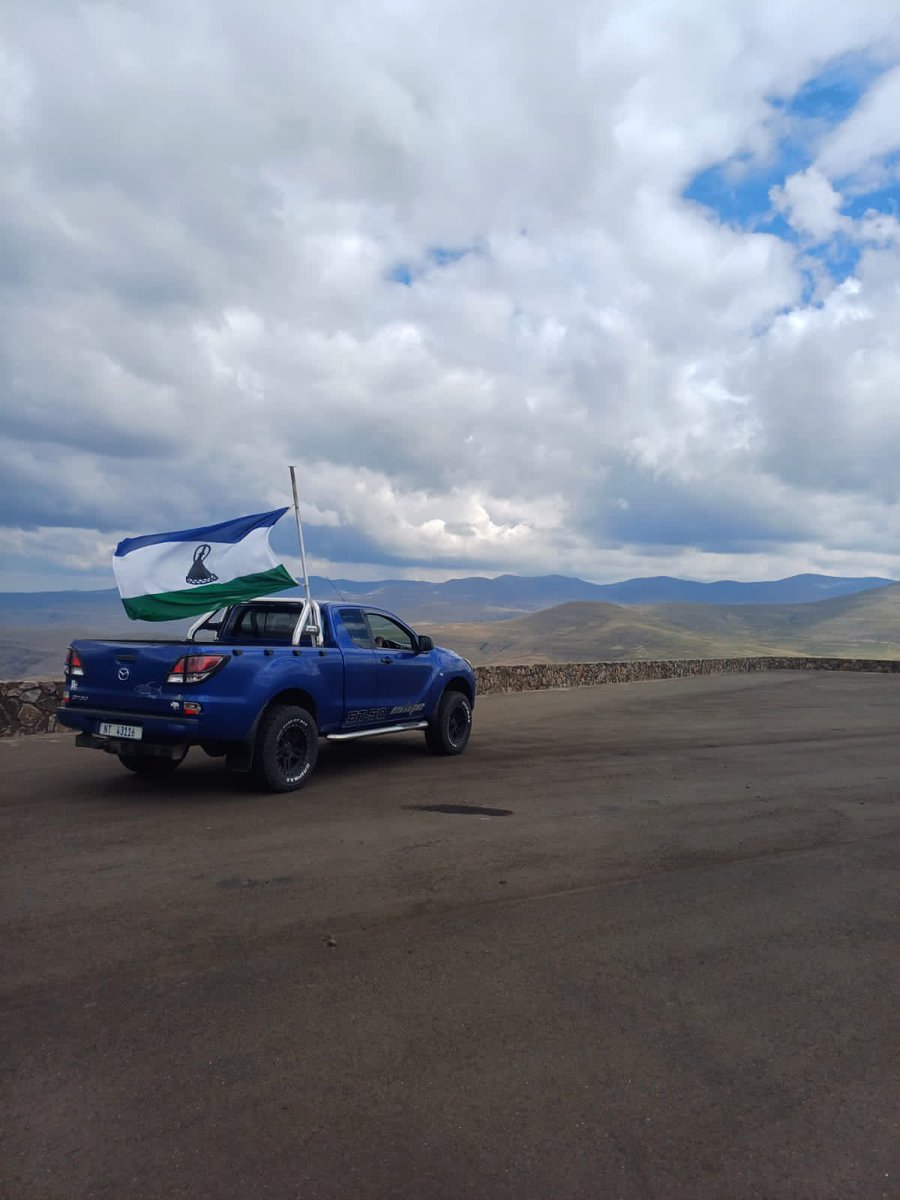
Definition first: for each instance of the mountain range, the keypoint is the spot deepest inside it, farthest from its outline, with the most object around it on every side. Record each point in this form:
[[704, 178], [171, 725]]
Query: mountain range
[[545, 618], [470, 599]]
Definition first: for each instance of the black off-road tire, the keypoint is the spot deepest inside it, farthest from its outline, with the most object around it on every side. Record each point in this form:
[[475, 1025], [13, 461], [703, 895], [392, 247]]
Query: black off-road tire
[[449, 729], [151, 766], [287, 748]]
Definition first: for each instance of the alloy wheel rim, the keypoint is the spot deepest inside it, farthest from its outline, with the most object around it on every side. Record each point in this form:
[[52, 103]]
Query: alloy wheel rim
[[291, 750], [457, 724]]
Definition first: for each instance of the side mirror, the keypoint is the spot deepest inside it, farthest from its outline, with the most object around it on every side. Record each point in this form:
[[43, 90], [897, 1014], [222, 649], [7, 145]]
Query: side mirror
[[424, 644]]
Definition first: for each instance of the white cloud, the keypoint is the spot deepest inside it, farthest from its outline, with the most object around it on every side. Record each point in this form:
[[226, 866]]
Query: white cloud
[[811, 205], [869, 133], [205, 207]]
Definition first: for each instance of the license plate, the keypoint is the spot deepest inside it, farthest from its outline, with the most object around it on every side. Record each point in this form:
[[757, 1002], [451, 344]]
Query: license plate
[[123, 731]]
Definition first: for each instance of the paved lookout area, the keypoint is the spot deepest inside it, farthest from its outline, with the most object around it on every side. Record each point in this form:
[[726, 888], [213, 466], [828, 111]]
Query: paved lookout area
[[639, 941]]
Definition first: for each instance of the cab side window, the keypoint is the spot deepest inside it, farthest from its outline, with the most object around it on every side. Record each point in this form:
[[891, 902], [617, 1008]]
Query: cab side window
[[355, 624], [388, 634]]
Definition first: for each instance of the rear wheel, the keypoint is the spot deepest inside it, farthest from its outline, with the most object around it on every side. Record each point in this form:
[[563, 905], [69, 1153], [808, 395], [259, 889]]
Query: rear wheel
[[451, 726], [151, 765], [287, 748]]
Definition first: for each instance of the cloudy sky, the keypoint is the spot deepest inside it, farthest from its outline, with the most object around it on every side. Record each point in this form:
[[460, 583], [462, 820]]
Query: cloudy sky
[[604, 288]]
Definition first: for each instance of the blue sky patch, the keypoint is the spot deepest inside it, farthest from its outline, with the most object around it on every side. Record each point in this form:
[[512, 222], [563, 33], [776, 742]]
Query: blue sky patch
[[832, 95], [737, 190], [884, 197], [443, 256], [434, 258], [401, 273], [840, 256], [739, 195]]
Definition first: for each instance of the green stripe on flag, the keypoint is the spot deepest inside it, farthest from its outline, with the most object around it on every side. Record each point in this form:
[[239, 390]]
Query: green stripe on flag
[[170, 606]]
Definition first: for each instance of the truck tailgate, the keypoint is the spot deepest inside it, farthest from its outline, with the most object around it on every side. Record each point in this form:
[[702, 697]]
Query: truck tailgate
[[127, 677]]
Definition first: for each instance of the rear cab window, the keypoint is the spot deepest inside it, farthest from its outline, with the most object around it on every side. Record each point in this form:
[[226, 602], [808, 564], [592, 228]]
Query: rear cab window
[[268, 624]]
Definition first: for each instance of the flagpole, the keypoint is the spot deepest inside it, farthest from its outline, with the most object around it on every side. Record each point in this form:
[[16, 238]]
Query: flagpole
[[300, 532]]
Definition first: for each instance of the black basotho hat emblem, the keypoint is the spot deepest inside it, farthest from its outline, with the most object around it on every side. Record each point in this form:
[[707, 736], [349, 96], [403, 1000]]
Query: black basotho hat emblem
[[198, 572]]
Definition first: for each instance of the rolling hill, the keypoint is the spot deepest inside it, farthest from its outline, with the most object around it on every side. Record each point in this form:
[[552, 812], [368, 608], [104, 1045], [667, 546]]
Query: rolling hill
[[865, 625], [35, 630]]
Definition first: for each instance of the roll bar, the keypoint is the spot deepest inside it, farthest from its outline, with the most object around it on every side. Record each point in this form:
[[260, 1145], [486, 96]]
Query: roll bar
[[308, 621]]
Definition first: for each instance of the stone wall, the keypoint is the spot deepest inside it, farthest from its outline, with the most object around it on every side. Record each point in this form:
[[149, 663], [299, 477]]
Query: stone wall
[[494, 680], [29, 707]]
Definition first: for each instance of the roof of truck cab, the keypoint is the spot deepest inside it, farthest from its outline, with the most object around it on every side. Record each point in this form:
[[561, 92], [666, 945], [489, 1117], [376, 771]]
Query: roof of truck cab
[[273, 600], [288, 600], [321, 603], [324, 605], [292, 600]]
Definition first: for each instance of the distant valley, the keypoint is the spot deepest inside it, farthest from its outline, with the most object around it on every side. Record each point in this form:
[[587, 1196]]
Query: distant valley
[[864, 625], [547, 618]]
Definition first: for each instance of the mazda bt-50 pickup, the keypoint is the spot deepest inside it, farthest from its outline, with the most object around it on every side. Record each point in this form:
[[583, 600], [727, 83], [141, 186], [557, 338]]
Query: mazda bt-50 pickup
[[260, 683]]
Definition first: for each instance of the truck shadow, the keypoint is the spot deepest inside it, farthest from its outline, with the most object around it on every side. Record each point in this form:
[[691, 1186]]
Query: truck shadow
[[204, 780], [371, 753]]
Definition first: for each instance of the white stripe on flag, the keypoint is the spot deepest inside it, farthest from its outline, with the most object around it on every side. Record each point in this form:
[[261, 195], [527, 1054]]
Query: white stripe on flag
[[165, 566]]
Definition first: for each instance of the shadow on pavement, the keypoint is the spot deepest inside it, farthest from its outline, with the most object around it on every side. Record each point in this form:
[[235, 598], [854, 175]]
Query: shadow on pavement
[[463, 810]]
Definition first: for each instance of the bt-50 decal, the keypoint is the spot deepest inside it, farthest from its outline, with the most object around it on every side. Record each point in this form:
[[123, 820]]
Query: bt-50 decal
[[359, 715]]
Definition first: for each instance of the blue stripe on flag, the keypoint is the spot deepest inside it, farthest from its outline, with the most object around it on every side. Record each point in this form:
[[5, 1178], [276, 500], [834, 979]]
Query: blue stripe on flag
[[225, 531]]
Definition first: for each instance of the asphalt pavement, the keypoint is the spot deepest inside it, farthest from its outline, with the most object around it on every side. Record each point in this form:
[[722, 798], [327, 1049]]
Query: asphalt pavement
[[639, 941]]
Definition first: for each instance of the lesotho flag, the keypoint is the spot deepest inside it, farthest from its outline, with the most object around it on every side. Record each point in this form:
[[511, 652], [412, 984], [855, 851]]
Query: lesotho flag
[[164, 576]]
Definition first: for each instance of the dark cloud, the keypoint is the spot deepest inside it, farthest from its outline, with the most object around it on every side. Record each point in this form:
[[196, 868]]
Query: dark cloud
[[713, 514]]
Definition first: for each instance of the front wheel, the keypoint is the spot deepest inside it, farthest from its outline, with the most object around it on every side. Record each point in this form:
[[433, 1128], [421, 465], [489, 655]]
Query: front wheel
[[449, 729], [287, 747]]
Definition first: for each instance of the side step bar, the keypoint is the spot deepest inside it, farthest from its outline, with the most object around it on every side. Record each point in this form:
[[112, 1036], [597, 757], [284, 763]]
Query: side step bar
[[347, 737]]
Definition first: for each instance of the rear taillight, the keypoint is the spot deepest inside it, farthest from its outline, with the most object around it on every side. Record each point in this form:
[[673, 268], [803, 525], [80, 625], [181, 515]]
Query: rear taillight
[[194, 668], [74, 669]]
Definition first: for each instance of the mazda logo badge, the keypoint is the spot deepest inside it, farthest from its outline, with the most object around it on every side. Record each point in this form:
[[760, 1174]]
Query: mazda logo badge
[[123, 673]]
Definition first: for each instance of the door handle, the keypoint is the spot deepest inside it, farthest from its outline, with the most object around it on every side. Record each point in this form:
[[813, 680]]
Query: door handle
[[387, 660]]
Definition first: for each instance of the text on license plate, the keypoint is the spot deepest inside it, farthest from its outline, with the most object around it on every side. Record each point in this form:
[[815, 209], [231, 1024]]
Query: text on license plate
[[123, 731]]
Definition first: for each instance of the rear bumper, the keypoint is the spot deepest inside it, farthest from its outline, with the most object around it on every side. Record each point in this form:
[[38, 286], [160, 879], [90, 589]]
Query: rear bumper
[[157, 730], [87, 741]]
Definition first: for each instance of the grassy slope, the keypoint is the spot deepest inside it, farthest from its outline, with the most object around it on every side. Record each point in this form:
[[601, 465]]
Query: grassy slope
[[865, 625], [589, 632]]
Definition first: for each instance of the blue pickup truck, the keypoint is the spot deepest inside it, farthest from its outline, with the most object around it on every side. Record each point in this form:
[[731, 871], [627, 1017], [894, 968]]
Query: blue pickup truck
[[260, 683]]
